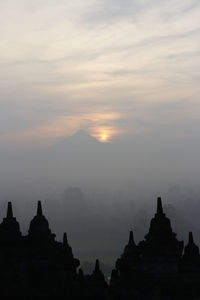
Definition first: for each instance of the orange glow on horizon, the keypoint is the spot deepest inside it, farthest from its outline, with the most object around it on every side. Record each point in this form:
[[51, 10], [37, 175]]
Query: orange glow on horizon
[[62, 127]]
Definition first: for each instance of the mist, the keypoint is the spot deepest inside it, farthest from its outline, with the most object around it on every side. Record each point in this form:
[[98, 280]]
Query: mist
[[97, 192]]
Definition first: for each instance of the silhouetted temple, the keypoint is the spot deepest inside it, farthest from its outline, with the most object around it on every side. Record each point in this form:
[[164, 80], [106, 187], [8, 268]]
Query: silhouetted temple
[[37, 267]]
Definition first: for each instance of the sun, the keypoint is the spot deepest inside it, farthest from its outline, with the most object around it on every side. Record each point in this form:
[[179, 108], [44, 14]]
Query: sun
[[104, 137], [104, 134]]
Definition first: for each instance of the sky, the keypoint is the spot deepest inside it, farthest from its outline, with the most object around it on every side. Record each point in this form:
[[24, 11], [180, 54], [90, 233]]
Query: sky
[[111, 67], [125, 72]]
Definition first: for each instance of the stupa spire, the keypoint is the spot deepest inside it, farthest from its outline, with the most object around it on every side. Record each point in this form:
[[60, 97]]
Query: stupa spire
[[131, 238], [191, 251], [9, 210], [97, 275], [97, 268], [65, 241], [159, 206], [10, 224], [191, 240], [39, 209]]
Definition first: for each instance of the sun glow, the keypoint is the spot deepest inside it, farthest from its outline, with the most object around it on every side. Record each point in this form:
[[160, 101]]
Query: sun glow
[[102, 126], [105, 134], [104, 138]]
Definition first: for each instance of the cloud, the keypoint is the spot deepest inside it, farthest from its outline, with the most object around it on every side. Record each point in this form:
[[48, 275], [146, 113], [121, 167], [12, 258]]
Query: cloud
[[62, 60]]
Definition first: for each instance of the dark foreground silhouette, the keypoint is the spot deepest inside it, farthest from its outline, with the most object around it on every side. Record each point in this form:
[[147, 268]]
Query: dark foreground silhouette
[[36, 267]]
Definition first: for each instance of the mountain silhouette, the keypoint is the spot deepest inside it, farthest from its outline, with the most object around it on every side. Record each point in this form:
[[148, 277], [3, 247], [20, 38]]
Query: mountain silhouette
[[80, 139]]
